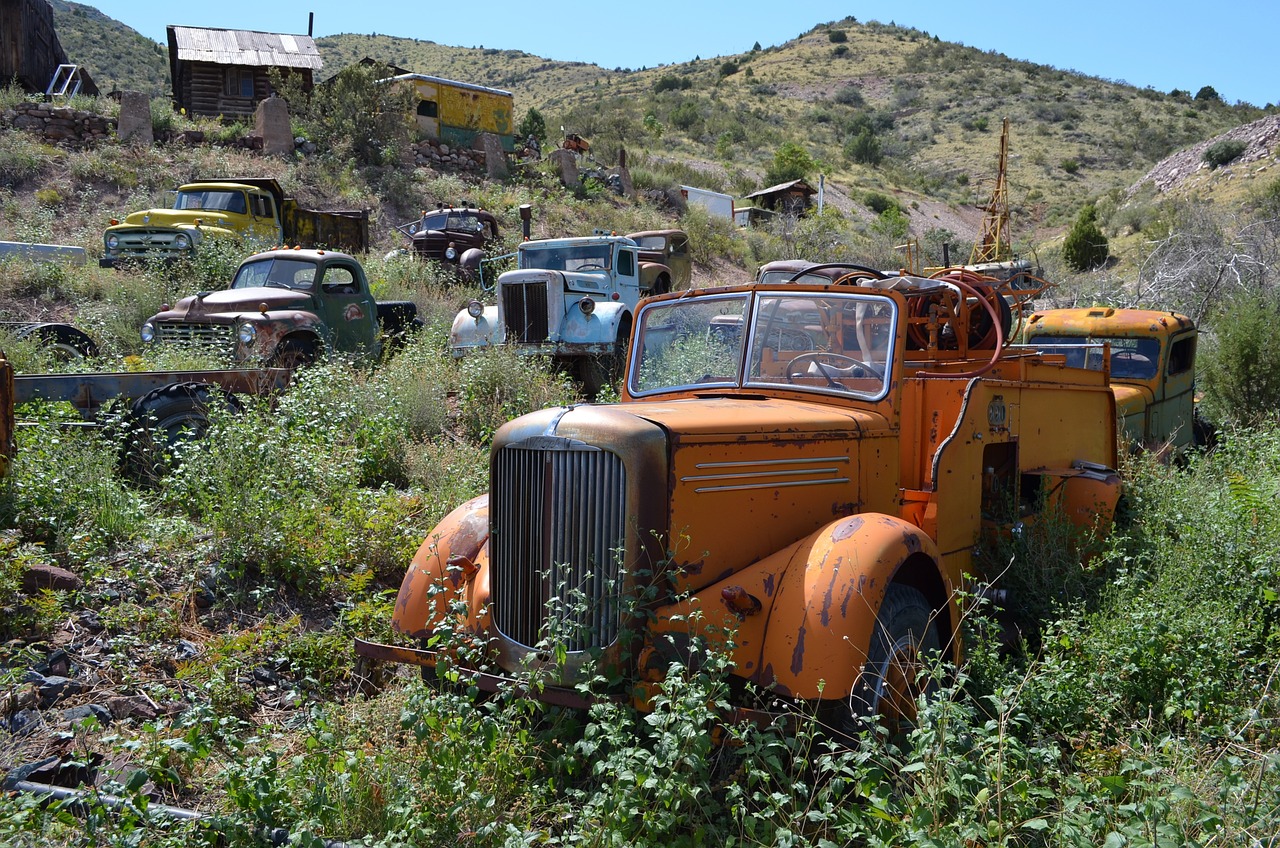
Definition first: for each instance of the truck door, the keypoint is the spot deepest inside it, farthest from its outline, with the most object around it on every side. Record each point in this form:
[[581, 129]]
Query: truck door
[[1174, 408], [346, 307], [627, 275], [264, 222]]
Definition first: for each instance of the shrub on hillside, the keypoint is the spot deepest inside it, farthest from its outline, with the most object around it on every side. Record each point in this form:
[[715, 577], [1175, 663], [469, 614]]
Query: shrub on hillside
[[864, 148], [1224, 152], [1085, 247], [671, 82], [837, 36], [533, 125], [1240, 370], [790, 162]]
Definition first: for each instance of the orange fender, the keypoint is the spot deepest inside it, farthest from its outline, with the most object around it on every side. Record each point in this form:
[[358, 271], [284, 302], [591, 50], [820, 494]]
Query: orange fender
[[800, 620], [452, 564]]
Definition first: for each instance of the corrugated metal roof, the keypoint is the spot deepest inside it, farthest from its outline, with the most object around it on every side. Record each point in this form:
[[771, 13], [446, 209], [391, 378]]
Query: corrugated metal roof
[[245, 47]]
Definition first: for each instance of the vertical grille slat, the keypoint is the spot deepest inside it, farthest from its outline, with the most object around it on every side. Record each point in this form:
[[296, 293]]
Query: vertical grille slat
[[559, 524], [524, 306]]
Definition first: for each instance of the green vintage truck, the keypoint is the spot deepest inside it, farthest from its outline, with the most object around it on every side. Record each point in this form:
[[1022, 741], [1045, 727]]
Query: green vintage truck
[[252, 209], [286, 308]]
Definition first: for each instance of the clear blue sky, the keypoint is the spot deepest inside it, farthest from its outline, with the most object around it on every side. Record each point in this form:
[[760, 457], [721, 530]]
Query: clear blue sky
[[1182, 44]]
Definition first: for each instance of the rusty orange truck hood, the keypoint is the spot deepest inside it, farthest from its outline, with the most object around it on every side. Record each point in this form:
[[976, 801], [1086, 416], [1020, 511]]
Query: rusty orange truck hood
[[1131, 399], [707, 417]]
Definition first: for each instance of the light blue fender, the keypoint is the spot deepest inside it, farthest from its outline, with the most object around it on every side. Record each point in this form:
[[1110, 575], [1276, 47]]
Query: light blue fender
[[468, 332], [601, 327]]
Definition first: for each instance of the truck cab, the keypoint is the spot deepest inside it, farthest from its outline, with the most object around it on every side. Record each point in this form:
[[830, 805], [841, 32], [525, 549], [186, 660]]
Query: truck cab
[[808, 466], [198, 211], [285, 307], [1151, 359], [569, 299]]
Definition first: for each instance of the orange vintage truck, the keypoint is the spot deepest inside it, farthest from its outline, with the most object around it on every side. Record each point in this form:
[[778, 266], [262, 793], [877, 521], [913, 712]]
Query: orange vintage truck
[[810, 466]]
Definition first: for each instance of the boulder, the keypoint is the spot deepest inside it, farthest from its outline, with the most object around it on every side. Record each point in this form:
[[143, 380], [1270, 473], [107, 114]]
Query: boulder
[[42, 576], [134, 126], [271, 124], [495, 158], [566, 165]]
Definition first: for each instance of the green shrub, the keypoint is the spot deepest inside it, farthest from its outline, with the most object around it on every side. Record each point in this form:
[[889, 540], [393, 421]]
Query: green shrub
[[672, 82], [864, 148], [790, 162], [1240, 367], [496, 385], [686, 116], [837, 36], [1085, 247], [1224, 152], [532, 125], [850, 95], [728, 69], [879, 203]]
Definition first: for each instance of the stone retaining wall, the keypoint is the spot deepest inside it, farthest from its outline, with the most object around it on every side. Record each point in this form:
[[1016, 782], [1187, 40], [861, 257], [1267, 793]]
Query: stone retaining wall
[[61, 124], [77, 129]]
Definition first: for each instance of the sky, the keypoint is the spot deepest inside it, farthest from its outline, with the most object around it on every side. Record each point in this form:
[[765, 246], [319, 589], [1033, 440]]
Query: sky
[[1183, 44]]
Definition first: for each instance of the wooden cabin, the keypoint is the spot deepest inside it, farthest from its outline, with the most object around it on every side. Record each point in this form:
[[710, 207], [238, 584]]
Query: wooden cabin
[[790, 198], [29, 49], [223, 72]]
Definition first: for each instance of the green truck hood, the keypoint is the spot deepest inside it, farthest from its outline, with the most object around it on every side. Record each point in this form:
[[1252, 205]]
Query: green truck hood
[[238, 301]]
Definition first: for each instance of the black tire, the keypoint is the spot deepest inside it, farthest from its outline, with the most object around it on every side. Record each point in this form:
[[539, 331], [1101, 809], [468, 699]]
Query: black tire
[[904, 641], [596, 372], [164, 418], [294, 353], [64, 342], [662, 285]]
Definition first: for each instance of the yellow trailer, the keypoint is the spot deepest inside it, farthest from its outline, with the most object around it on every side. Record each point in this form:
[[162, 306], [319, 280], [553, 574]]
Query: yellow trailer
[[456, 112]]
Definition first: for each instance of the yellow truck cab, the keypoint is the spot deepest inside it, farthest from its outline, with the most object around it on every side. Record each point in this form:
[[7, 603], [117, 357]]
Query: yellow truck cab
[[810, 466], [1151, 361]]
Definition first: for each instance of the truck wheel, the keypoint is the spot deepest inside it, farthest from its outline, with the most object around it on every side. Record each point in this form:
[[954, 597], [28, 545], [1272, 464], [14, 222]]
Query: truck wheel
[[596, 372], [64, 342], [165, 417], [662, 285], [294, 353], [904, 644]]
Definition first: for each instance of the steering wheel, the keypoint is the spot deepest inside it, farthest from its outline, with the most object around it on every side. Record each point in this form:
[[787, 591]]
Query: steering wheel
[[591, 266], [838, 360]]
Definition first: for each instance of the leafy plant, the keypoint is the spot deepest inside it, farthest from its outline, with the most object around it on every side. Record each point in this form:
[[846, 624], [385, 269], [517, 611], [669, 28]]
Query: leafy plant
[[1224, 152], [1085, 247]]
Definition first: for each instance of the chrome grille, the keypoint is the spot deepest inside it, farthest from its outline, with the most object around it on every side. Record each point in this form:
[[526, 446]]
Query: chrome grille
[[525, 310], [205, 336], [558, 515]]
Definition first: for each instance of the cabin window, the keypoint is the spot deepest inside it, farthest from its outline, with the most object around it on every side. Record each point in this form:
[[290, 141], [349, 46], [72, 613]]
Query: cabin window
[[240, 82], [427, 109]]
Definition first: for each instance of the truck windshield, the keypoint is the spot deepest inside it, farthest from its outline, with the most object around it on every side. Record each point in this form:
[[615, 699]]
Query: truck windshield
[[217, 201], [590, 257], [808, 341], [275, 273], [1133, 359]]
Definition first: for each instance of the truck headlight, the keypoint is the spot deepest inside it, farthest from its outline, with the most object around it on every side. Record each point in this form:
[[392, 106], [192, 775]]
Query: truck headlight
[[247, 334], [475, 309], [181, 241], [113, 241], [587, 305], [451, 252], [148, 332]]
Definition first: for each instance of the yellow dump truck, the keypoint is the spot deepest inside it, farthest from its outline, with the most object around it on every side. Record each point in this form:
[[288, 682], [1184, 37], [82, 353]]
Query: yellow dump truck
[[1150, 357], [252, 209]]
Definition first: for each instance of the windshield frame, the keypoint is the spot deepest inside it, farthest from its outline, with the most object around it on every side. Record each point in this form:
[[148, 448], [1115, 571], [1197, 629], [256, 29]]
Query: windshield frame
[[278, 269], [765, 305]]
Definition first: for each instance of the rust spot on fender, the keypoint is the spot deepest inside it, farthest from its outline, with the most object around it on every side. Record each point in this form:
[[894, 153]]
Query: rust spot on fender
[[691, 567], [846, 528], [769, 584], [797, 656], [829, 595], [911, 542]]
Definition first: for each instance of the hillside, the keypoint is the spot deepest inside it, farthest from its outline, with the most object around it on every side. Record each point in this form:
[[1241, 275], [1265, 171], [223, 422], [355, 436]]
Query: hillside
[[117, 56], [878, 108]]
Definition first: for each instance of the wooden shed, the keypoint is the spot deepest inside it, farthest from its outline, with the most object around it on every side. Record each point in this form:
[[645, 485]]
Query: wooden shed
[[29, 49], [223, 72], [791, 197]]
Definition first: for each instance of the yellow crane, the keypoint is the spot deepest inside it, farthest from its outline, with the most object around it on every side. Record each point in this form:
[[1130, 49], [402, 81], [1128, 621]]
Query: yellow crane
[[993, 241]]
